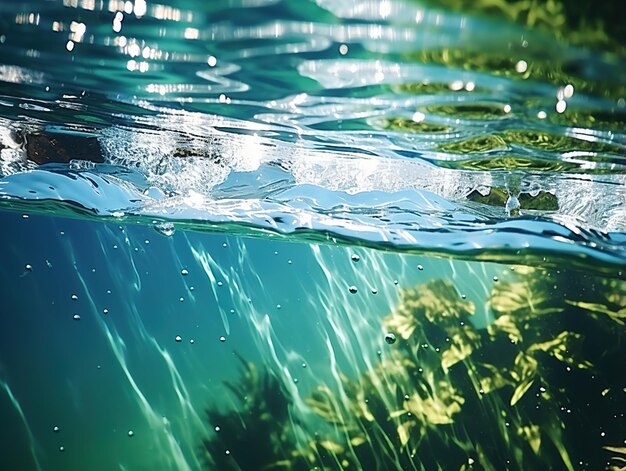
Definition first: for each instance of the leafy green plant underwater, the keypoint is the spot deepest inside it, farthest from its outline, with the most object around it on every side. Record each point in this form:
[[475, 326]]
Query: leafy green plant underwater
[[542, 387]]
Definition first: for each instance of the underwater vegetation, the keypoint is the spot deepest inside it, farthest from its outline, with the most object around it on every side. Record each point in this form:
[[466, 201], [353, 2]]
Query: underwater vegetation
[[540, 387]]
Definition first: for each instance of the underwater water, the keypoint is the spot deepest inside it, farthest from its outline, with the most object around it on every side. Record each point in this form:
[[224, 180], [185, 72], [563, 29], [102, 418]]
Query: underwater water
[[349, 234]]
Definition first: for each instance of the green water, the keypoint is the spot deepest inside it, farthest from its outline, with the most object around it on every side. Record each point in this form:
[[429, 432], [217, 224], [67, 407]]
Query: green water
[[264, 235]]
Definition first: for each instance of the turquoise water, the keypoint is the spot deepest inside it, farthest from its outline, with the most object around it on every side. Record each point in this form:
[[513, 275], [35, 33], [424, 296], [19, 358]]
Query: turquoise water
[[262, 234]]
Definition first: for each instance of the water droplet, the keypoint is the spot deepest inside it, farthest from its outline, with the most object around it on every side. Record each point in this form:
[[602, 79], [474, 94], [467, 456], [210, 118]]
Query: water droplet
[[28, 267], [303, 365], [407, 397], [24, 216], [295, 380], [105, 311], [352, 289], [192, 341], [165, 228], [420, 267], [289, 262], [395, 282], [191, 288], [184, 272], [222, 339], [278, 306], [355, 258], [181, 299], [512, 206], [76, 317], [463, 296], [224, 245], [390, 338], [379, 353], [178, 338], [61, 448], [131, 433], [219, 283], [227, 452], [74, 297], [217, 428], [495, 278], [374, 291], [56, 429]]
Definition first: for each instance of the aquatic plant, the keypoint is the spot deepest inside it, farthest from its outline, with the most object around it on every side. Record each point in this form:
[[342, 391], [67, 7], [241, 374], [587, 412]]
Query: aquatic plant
[[257, 434], [531, 389]]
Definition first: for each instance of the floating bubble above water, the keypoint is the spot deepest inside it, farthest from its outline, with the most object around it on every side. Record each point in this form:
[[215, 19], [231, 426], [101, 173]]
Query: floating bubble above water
[[390, 338], [352, 289]]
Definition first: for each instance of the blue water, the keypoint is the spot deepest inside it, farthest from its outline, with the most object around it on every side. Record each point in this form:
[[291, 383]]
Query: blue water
[[264, 234]]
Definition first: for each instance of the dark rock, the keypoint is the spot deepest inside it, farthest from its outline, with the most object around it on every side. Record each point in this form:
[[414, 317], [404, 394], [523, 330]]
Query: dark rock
[[48, 147]]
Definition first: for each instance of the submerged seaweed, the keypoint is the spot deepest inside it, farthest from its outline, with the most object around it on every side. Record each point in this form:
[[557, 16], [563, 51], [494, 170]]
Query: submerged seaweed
[[540, 386]]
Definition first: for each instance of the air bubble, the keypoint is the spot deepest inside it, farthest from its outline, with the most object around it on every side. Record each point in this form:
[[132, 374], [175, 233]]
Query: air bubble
[[131, 433], [355, 258], [217, 428], [390, 338], [495, 278], [184, 272], [105, 311], [374, 291], [420, 267], [192, 341], [352, 289], [178, 338], [61, 448], [28, 267], [56, 429], [165, 228], [222, 339], [74, 297], [76, 317]]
